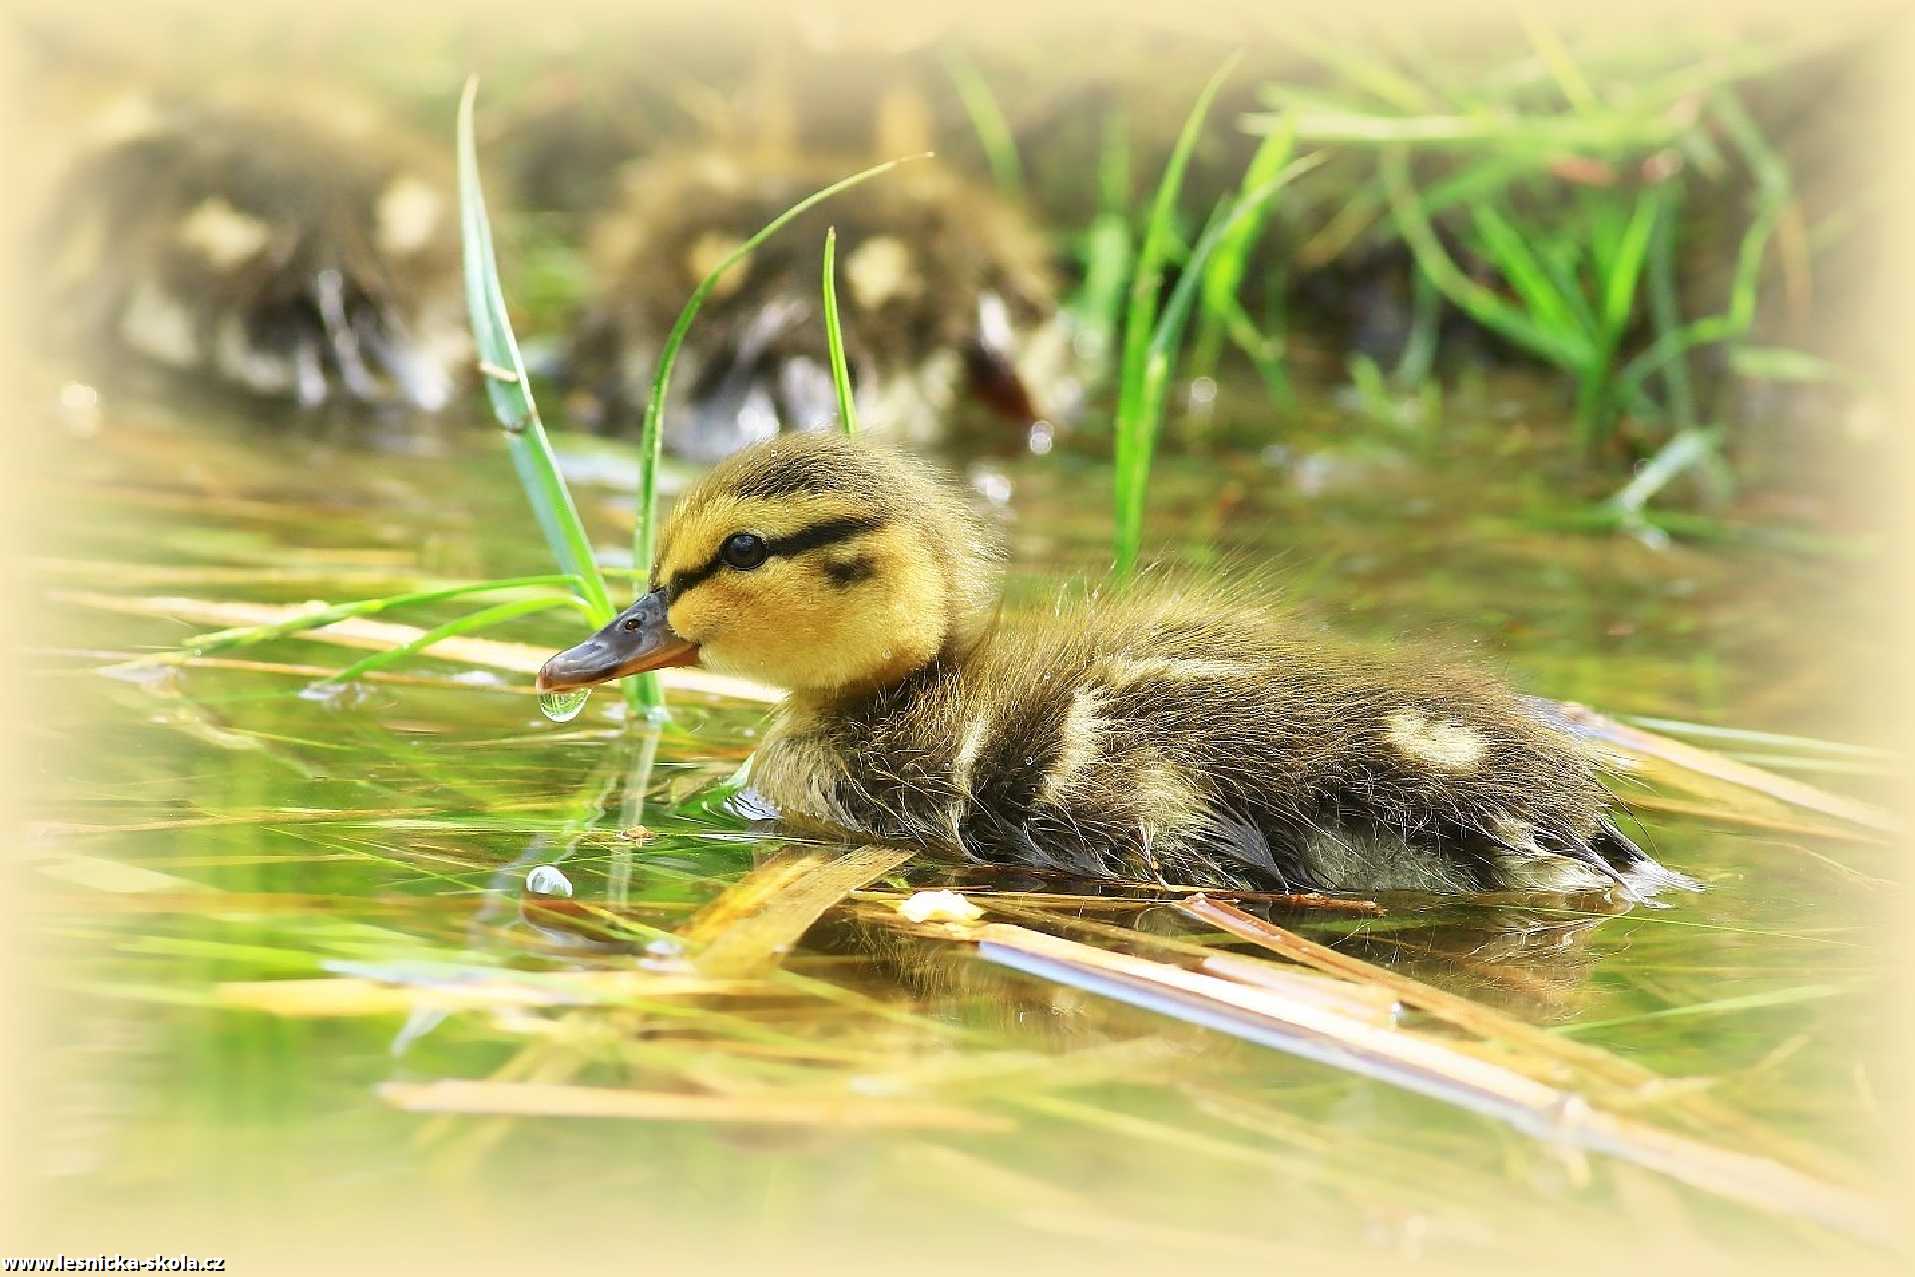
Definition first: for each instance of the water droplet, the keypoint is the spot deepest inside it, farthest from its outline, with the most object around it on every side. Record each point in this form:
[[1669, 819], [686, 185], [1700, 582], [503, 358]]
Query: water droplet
[[545, 880], [336, 695], [563, 707]]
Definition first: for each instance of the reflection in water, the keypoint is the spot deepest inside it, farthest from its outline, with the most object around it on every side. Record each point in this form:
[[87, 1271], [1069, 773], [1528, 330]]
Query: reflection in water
[[223, 847]]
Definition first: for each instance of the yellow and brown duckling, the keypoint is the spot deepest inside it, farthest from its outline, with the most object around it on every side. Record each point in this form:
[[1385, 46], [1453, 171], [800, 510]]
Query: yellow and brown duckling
[[945, 291], [293, 246], [1168, 732]]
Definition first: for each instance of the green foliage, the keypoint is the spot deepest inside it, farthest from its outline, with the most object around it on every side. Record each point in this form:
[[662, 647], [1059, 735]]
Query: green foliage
[[1154, 325], [834, 339], [1561, 181], [1105, 249], [987, 120]]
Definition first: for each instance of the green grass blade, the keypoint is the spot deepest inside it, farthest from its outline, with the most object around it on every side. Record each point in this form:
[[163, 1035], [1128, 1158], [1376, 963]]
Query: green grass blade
[[480, 620], [988, 122], [644, 537], [1483, 305], [1503, 244], [245, 636], [507, 386], [1773, 184], [1227, 222], [1223, 276], [1372, 75], [1105, 248], [1133, 477], [1426, 317], [834, 338], [1625, 266], [1779, 363], [1132, 445]]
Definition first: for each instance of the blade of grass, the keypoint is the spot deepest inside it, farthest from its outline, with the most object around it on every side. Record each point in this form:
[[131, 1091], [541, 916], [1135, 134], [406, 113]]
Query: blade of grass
[[1686, 450], [1623, 1081], [1106, 248], [551, 1099], [1665, 313], [299, 619], [834, 338], [507, 386], [480, 620], [1766, 740], [1226, 219], [988, 122], [1223, 276], [1138, 427], [357, 631], [1413, 367], [1146, 281], [1635, 741], [1561, 347], [1773, 189]]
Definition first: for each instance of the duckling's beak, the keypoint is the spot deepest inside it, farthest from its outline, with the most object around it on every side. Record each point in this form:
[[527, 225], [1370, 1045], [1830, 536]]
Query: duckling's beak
[[638, 639]]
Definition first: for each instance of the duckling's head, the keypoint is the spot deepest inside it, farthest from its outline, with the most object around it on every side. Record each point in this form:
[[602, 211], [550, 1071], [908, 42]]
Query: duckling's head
[[815, 562]]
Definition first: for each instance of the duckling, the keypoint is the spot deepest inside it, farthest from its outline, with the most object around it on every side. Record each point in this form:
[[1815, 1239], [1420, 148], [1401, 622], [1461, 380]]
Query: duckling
[[294, 246], [943, 288], [1168, 731]]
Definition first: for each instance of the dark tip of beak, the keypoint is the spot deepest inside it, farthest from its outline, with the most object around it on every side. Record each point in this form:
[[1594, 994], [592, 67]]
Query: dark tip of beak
[[639, 639]]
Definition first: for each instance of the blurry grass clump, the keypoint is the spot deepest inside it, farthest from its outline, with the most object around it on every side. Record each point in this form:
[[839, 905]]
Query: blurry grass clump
[[1551, 197], [1154, 322]]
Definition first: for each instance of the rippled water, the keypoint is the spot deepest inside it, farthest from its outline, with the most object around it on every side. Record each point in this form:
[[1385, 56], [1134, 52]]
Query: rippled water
[[207, 834]]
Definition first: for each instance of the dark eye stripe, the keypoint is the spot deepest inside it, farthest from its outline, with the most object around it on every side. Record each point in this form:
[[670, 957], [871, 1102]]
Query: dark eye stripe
[[818, 535]]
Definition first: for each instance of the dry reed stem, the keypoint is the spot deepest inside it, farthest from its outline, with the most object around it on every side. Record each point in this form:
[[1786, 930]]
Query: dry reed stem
[[748, 929], [545, 1099], [360, 632], [1436, 1069]]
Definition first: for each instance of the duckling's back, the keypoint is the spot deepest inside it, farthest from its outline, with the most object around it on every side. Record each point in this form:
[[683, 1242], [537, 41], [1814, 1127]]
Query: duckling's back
[[1169, 734]]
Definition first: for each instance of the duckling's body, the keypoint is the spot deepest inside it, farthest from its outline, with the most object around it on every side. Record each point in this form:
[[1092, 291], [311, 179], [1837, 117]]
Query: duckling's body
[[1163, 736], [293, 245], [1165, 732]]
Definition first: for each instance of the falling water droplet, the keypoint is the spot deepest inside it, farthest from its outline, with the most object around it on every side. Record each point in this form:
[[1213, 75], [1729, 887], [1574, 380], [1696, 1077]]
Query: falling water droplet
[[563, 707], [544, 880]]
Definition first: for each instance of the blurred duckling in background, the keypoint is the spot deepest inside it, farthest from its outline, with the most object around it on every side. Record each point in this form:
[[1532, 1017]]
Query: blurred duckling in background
[[304, 253], [1169, 732], [945, 292]]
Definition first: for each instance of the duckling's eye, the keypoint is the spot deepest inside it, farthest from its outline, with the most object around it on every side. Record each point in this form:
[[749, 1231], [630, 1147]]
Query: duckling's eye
[[744, 550]]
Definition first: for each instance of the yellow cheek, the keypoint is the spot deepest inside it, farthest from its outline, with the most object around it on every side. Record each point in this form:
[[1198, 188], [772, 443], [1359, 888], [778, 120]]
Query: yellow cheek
[[770, 610]]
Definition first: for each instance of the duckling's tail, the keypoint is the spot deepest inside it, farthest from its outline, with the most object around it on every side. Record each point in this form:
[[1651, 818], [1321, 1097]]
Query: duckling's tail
[[1641, 876]]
